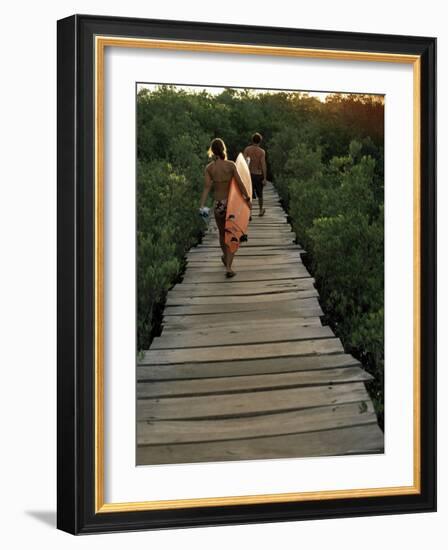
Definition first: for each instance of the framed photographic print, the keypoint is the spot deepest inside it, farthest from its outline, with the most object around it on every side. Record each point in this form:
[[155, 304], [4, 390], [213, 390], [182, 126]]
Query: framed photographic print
[[246, 274]]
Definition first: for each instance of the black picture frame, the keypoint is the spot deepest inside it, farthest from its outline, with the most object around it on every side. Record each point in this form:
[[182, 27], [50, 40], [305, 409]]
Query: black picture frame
[[76, 481]]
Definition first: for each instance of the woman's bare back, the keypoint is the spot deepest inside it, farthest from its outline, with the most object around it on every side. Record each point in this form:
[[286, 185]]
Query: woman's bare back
[[221, 173]]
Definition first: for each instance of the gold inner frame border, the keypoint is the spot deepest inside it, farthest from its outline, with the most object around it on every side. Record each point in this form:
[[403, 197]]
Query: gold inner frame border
[[100, 44]]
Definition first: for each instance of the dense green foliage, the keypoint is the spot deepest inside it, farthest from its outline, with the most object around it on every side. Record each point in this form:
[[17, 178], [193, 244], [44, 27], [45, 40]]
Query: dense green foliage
[[326, 160]]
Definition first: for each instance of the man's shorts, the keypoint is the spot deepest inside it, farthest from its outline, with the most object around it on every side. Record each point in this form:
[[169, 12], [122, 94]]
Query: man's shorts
[[257, 186]]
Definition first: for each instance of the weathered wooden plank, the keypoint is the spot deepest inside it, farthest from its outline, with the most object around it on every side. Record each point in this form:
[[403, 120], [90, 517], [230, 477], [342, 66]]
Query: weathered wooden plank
[[255, 262], [272, 218], [218, 324], [265, 249], [271, 203], [237, 367], [259, 223], [265, 242], [257, 403], [284, 302], [258, 230], [270, 229], [173, 432], [230, 336], [254, 243], [214, 251], [174, 299], [230, 291], [365, 439], [261, 233], [249, 254], [269, 199], [242, 287], [268, 220], [261, 257], [272, 207], [274, 212], [267, 196], [245, 262], [267, 226], [275, 282], [216, 266], [256, 218], [244, 317], [251, 351], [298, 272], [258, 234], [235, 384], [282, 232], [258, 248]]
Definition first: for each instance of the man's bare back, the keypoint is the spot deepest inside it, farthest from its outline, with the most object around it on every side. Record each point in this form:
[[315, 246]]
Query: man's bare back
[[257, 168], [257, 157]]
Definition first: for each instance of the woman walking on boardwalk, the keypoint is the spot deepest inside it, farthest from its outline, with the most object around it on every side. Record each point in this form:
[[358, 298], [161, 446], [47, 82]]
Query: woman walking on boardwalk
[[219, 174]]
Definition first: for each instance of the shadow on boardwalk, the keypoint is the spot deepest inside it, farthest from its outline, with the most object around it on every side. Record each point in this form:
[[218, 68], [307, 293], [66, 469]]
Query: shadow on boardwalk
[[244, 368]]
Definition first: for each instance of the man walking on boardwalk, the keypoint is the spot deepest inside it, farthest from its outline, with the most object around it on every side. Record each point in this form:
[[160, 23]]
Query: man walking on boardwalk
[[257, 167]]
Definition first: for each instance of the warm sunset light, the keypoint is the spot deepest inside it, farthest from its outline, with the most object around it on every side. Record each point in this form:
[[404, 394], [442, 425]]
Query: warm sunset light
[[216, 90]]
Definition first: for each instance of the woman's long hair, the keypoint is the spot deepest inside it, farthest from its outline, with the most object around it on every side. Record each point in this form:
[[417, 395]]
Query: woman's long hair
[[218, 149]]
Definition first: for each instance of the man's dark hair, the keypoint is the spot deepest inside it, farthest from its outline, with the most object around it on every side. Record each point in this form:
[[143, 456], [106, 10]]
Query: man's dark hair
[[256, 138]]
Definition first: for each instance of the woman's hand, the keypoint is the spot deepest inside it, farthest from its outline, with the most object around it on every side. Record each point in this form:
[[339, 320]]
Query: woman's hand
[[204, 211]]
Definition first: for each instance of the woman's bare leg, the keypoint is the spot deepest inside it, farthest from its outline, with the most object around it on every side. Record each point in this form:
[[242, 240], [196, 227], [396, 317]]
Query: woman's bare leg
[[221, 224], [229, 260], [224, 251], [227, 256]]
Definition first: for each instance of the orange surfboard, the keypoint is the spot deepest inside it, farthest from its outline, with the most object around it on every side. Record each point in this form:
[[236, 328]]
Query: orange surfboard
[[238, 209]]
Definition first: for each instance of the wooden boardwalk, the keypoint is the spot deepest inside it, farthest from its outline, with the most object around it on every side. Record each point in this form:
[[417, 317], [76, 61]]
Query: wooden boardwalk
[[244, 368]]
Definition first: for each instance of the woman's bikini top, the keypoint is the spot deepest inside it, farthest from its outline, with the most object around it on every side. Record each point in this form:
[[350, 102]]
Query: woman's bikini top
[[221, 181]]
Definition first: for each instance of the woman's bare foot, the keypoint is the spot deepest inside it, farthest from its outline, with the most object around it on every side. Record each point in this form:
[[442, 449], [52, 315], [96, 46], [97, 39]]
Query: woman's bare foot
[[230, 274]]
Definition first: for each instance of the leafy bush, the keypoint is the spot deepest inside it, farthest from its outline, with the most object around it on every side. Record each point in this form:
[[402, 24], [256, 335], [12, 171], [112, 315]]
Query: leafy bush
[[166, 228], [336, 215]]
